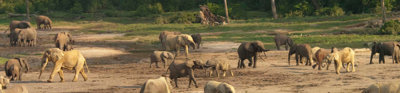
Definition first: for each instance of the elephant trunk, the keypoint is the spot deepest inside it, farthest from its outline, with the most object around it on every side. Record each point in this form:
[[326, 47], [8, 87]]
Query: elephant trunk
[[44, 64], [193, 44]]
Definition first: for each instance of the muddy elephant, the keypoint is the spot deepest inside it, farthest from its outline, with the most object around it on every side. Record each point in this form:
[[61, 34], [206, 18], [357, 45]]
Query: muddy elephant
[[180, 69], [26, 37], [161, 56], [218, 64], [13, 34], [197, 39], [383, 88], [281, 39], [159, 85], [63, 41], [13, 68], [162, 37], [339, 58], [249, 50], [300, 51], [320, 56], [175, 42], [383, 48], [46, 21], [64, 60], [15, 89], [396, 53], [4, 82], [218, 87]]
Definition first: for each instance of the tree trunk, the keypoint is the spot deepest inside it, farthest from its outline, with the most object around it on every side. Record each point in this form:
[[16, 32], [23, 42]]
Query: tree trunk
[[273, 7], [315, 3], [27, 10], [383, 11], [226, 11]]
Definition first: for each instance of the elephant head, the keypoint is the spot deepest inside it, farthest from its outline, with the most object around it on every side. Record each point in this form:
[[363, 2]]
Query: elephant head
[[256, 46], [185, 39], [4, 82], [24, 24], [53, 55], [24, 64], [225, 88]]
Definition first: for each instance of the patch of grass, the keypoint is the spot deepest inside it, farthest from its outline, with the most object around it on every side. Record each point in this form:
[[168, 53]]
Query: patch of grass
[[3, 60]]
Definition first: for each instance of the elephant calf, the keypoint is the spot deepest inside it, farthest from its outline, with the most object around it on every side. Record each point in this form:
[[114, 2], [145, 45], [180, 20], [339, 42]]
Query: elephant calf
[[13, 68], [46, 21], [344, 56], [320, 58], [218, 87], [197, 39], [161, 56], [63, 39], [249, 51], [300, 51], [216, 65], [383, 88], [384, 48], [160, 85], [182, 69], [15, 89]]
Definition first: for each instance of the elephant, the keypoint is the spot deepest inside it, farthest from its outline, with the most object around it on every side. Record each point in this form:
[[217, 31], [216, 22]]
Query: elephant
[[383, 48], [218, 87], [13, 68], [396, 53], [159, 85], [13, 34], [64, 60], [15, 89], [320, 56], [63, 39], [217, 64], [344, 56], [27, 37], [4, 82], [281, 39], [300, 51], [197, 39], [46, 21], [175, 42], [249, 50], [383, 88], [182, 69], [163, 35], [161, 56]]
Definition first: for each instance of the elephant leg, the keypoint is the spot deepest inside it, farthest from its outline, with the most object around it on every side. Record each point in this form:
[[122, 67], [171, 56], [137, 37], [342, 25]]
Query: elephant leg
[[61, 74], [192, 78], [157, 65], [150, 64], [310, 59], [286, 46], [250, 62], [239, 65], [19, 75], [190, 81], [223, 73], [176, 82], [186, 50], [255, 61], [57, 68], [277, 46], [327, 66], [216, 71], [210, 73], [38, 26], [348, 67], [85, 78], [297, 60], [231, 73], [338, 65]]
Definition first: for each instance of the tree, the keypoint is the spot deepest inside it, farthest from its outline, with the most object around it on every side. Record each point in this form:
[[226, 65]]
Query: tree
[[226, 11], [27, 10], [383, 11], [273, 7]]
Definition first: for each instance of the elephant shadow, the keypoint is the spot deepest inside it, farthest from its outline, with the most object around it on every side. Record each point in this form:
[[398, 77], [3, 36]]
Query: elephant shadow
[[28, 81], [137, 86]]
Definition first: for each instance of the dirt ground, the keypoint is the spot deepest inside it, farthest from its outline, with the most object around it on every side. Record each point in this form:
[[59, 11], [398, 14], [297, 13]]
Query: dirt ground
[[118, 66]]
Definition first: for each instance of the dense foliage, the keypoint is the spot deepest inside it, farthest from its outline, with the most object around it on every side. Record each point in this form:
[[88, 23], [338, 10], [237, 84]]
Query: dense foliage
[[238, 8], [391, 27]]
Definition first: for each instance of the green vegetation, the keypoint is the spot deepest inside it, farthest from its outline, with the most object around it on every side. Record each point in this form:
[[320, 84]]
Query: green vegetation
[[392, 27], [3, 60]]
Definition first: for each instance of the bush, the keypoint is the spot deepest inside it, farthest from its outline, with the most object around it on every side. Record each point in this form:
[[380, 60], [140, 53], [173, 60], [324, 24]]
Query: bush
[[162, 20], [6, 8], [145, 10], [391, 27], [217, 9], [301, 9], [177, 17], [77, 8], [116, 13], [238, 11], [330, 11]]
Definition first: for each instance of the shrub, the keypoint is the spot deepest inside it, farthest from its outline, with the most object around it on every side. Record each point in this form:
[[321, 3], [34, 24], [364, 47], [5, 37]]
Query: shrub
[[185, 18], [238, 11], [217, 9], [162, 20], [301, 9], [330, 11], [77, 8], [390, 27], [145, 10]]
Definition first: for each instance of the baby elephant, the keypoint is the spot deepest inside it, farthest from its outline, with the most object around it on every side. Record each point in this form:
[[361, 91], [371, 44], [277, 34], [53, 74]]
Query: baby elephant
[[161, 56], [160, 85], [15, 89], [182, 69], [383, 88], [217, 64], [218, 87], [344, 56], [13, 68]]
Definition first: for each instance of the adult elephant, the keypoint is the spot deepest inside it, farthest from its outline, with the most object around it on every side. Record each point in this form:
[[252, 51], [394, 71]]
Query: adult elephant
[[13, 34], [46, 21], [175, 42], [383, 48], [64, 60], [21, 63], [281, 39], [63, 39], [163, 36], [26, 37], [300, 51], [249, 50]]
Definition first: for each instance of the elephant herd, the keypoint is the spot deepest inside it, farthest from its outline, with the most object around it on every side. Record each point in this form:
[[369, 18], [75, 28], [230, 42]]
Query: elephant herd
[[63, 57]]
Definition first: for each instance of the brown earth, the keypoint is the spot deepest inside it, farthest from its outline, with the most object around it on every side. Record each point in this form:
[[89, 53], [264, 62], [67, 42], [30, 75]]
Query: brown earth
[[123, 66]]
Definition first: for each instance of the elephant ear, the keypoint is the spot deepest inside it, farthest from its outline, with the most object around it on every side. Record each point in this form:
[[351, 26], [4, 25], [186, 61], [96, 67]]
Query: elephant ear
[[180, 39], [249, 47], [189, 63]]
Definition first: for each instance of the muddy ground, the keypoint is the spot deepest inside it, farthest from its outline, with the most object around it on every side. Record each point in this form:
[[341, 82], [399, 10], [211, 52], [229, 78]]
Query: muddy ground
[[122, 66]]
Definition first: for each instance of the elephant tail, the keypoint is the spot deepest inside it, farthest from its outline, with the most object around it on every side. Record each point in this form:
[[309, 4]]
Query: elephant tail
[[87, 67]]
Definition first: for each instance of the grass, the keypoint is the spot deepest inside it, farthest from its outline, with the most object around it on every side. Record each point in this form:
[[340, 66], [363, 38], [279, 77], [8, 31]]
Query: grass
[[3, 60], [253, 29]]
